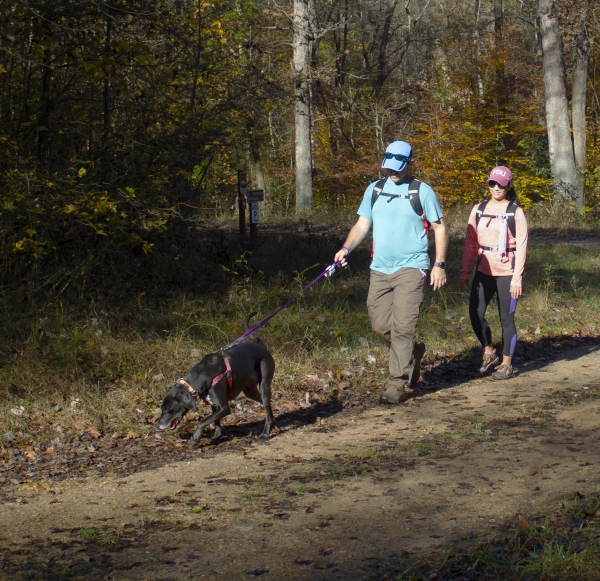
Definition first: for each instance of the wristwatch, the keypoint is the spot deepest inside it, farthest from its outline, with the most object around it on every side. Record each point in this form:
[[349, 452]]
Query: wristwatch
[[440, 264]]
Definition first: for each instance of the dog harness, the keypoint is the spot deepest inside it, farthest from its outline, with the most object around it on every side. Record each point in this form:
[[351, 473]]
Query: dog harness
[[227, 373]]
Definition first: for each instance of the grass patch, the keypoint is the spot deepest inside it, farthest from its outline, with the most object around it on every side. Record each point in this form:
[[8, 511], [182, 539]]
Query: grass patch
[[72, 369], [564, 545], [98, 535], [261, 479]]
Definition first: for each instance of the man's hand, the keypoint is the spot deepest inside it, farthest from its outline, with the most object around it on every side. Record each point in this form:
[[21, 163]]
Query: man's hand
[[438, 277], [515, 291], [341, 255]]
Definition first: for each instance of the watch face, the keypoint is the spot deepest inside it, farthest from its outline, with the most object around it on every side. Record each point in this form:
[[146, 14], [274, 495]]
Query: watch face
[[440, 264]]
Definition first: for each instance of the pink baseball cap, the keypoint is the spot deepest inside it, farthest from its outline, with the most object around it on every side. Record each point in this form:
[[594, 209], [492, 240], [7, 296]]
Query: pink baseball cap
[[501, 175]]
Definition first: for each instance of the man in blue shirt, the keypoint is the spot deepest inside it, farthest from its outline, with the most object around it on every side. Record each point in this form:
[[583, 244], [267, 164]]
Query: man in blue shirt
[[400, 264]]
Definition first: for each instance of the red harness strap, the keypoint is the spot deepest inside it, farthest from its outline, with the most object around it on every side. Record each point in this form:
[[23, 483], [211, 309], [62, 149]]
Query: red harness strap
[[227, 373]]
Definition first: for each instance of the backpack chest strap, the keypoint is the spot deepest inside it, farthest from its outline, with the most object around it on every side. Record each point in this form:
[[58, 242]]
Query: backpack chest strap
[[504, 216], [399, 196]]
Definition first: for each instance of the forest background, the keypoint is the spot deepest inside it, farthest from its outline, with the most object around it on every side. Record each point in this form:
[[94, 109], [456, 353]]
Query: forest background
[[122, 124]]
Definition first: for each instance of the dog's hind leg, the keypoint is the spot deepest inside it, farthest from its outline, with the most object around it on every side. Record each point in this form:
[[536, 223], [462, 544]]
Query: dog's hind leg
[[267, 368], [251, 391]]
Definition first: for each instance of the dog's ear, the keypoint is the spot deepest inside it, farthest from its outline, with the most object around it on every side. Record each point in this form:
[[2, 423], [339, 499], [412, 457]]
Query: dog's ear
[[188, 400]]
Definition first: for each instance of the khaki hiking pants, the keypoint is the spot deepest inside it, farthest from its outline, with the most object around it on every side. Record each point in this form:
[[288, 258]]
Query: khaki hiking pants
[[393, 303]]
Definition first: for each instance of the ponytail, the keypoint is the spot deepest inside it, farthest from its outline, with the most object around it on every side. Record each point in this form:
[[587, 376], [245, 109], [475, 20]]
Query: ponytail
[[511, 195]]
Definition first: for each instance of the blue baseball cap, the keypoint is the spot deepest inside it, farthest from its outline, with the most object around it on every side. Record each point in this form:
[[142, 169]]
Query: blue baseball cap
[[397, 155]]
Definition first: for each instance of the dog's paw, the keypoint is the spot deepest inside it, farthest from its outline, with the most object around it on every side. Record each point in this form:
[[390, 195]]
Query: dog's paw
[[263, 439]]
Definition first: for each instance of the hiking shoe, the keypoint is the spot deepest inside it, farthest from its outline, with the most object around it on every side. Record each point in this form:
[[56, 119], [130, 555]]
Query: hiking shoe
[[503, 371], [393, 395], [418, 352], [488, 361]]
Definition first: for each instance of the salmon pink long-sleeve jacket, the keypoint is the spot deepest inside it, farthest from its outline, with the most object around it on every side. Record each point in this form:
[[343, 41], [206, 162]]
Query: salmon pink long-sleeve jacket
[[487, 234]]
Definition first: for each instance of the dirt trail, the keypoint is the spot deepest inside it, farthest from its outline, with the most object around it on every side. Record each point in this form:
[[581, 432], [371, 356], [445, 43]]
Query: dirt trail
[[346, 498]]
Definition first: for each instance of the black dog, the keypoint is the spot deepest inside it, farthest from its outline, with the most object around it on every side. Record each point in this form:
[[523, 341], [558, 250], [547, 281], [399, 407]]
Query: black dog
[[220, 378]]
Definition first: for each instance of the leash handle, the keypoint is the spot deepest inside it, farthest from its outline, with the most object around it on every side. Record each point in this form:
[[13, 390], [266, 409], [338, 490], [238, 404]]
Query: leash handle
[[327, 273]]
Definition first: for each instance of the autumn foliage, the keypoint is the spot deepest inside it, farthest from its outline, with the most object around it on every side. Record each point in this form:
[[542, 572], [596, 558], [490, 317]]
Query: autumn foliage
[[121, 121]]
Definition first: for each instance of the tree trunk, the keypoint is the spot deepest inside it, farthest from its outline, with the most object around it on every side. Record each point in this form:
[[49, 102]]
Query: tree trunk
[[257, 167], [580, 68], [560, 145], [43, 129], [304, 189], [480, 88], [106, 99]]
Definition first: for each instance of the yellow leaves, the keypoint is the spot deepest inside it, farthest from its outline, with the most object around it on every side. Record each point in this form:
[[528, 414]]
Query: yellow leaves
[[2, 69], [82, 171]]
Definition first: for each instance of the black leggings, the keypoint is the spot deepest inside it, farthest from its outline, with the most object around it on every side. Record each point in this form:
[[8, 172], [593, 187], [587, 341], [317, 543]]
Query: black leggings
[[483, 289]]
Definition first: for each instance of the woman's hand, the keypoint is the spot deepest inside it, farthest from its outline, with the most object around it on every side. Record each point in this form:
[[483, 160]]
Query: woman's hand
[[515, 290], [463, 284]]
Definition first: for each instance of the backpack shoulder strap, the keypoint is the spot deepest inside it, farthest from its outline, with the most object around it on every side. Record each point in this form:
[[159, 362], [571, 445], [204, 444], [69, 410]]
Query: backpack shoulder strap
[[480, 210], [377, 189], [511, 210], [414, 196]]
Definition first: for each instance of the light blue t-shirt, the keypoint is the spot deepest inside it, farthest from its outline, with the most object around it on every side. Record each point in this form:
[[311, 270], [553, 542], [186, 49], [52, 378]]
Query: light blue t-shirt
[[398, 233]]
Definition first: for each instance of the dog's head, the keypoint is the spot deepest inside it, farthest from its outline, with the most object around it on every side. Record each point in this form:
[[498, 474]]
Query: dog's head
[[177, 402]]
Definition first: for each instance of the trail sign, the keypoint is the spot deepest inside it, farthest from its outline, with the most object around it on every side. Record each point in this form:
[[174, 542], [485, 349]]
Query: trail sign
[[254, 213], [255, 196]]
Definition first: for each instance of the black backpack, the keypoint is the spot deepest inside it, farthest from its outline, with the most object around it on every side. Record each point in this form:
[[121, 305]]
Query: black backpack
[[510, 215], [413, 196]]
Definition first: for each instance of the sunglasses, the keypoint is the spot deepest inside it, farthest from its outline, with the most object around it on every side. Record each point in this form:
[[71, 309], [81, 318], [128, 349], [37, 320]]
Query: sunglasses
[[494, 184], [396, 156]]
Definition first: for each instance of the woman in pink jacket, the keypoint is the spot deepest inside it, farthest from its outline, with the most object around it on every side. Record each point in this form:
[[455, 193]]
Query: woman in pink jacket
[[497, 232]]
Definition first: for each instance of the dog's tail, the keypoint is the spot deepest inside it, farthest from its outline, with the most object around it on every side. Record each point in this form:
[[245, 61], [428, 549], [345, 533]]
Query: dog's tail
[[246, 322]]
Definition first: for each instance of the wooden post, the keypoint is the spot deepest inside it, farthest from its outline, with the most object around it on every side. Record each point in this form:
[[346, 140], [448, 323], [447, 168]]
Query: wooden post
[[253, 207], [254, 197], [242, 190]]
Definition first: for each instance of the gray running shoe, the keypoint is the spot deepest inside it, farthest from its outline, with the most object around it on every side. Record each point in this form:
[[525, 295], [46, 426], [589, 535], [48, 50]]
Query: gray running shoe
[[488, 361], [503, 371]]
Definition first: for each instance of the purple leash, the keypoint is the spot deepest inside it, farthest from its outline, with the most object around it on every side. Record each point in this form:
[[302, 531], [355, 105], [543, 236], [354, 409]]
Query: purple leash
[[325, 274]]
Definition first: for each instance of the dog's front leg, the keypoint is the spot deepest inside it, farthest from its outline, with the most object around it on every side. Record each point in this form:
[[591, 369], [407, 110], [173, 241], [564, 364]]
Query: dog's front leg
[[213, 418], [217, 424]]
